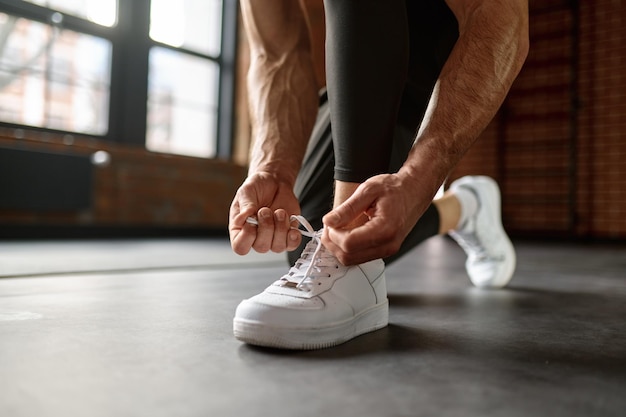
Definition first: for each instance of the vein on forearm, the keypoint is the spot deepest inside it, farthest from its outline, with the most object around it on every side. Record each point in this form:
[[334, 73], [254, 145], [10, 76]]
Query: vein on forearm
[[281, 86], [283, 107], [472, 85]]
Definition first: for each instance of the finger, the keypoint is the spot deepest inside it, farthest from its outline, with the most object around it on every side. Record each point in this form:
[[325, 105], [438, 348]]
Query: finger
[[375, 235], [242, 239], [363, 255], [237, 240], [245, 205], [265, 230], [242, 235], [281, 231], [232, 215], [294, 238], [349, 210], [354, 239]]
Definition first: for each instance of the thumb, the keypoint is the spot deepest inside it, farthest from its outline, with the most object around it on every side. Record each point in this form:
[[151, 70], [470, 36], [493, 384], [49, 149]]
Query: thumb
[[245, 206], [348, 211]]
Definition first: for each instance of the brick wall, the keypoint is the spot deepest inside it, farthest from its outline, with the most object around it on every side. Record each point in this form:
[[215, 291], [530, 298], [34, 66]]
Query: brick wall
[[138, 189], [557, 147], [602, 121]]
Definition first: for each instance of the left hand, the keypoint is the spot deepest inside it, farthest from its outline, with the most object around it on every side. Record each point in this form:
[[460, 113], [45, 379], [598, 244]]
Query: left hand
[[392, 202]]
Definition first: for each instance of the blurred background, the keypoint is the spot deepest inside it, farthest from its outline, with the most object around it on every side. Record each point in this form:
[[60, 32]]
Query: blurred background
[[129, 117]]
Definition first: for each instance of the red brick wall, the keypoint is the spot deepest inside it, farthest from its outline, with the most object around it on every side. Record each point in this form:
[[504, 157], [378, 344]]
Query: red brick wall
[[563, 176], [138, 188], [603, 118]]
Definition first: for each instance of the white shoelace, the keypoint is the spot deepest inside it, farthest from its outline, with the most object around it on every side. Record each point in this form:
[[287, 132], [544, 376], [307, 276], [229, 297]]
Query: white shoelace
[[313, 261], [472, 243]]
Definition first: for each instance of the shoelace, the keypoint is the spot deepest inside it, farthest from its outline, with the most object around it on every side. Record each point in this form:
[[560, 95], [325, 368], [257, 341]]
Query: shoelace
[[471, 244], [474, 244], [314, 256]]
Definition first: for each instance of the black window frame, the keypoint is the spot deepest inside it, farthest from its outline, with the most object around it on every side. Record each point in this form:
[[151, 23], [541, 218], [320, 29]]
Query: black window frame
[[131, 44]]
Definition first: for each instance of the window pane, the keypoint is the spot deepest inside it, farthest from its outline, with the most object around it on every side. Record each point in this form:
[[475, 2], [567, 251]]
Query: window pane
[[182, 104], [192, 24], [102, 12], [53, 78]]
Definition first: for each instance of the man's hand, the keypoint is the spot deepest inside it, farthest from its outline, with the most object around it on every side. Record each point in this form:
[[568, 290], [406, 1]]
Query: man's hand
[[392, 202], [271, 200], [283, 104]]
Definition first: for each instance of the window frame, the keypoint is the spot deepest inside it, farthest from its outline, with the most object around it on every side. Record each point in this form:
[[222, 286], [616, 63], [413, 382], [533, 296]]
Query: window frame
[[131, 43]]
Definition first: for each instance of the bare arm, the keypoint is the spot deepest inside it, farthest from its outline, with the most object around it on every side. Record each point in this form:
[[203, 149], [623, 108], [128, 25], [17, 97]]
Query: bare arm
[[283, 106], [281, 84], [490, 51]]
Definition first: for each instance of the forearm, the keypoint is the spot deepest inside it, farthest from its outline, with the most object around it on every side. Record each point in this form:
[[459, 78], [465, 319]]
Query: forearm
[[282, 91], [283, 104], [488, 55]]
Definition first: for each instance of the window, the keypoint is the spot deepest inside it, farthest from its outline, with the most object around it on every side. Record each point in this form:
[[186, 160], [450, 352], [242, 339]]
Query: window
[[53, 78], [152, 72], [182, 103], [183, 86], [102, 12]]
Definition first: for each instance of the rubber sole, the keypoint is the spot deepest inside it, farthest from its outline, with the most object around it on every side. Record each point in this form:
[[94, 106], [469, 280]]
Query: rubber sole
[[260, 334]]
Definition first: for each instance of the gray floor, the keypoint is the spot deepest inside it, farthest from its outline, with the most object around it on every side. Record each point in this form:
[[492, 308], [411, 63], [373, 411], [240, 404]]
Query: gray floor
[[143, 328]]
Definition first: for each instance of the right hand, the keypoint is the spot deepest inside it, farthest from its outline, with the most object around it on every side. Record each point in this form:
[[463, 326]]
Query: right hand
[[271, 201]]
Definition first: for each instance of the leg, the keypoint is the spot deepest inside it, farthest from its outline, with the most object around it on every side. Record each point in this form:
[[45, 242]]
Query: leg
[[432, 34], [368, 122], [367, 63], [314, 186]]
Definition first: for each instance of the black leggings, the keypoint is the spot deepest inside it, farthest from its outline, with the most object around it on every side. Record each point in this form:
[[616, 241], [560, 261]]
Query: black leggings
[[383, 58]]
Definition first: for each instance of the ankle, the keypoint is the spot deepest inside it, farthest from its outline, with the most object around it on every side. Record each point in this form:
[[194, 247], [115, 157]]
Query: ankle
[[449, 208], [343, 191]]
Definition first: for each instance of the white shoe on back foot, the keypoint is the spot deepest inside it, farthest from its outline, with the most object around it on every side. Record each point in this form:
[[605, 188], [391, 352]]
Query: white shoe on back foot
[[490, 254], [319, 303]]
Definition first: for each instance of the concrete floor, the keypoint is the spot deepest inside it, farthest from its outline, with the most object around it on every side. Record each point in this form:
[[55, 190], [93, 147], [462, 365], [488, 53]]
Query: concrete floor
[[143, 328]]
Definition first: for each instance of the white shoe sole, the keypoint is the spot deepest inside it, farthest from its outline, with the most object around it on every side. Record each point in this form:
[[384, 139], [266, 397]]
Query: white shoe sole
[[260, 334]]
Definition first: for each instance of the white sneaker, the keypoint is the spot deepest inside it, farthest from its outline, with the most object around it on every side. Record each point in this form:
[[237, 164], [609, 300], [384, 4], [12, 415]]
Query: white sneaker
[[490, 253], [319, 303]]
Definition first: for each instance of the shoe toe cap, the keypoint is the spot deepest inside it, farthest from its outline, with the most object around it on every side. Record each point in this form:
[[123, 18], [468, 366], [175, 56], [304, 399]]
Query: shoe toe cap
[[276, 309]]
